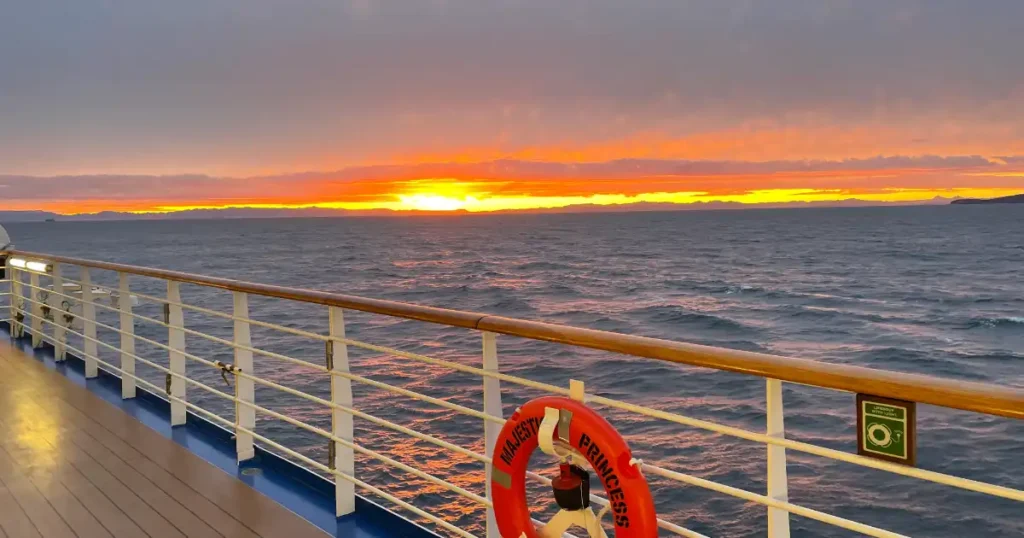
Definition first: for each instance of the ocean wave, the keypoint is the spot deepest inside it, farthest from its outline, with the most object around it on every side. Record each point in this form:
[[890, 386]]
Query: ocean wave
[[543, 266], [996, 322], [718, 287], [513, 303], [892, 355], [677, 315], [993, 356], [591, 320], [732, 290], [560, 291]]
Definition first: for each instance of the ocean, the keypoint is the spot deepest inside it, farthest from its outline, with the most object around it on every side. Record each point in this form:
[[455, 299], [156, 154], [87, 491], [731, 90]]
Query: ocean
[[934, 290]]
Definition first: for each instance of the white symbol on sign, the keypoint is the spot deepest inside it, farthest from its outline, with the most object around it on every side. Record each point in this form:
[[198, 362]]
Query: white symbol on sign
[[880, 435]]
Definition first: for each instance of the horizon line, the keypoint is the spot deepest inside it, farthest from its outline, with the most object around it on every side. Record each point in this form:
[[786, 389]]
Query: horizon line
[[638, 207]]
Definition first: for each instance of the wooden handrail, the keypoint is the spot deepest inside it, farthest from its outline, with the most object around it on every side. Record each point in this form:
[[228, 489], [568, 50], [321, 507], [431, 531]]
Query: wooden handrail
[[966, 395], [442, 316]]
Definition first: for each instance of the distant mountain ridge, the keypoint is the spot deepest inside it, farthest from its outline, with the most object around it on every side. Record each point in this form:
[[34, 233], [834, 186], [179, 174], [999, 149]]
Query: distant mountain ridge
[[1012, 199], [27, 216], [312, 212]]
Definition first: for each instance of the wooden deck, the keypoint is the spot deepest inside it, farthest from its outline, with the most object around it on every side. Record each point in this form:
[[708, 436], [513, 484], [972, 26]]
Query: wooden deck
[[72, 465]]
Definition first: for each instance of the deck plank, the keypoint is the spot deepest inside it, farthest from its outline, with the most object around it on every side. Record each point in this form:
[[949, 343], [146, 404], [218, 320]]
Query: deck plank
[[77, 516], [46, 520], [116, 522], [162, 503], [94, 439], [119, 456], [125, 497], [132, 464], [13, 519], [214, 521], [40, 462]]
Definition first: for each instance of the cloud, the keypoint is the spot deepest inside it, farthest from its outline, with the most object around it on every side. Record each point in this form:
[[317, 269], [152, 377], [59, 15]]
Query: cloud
[[244, 87], [507, 183]]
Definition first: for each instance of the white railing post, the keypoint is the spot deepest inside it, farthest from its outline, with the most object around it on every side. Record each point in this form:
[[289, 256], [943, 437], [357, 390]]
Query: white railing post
[[492, 406], [245, 416], [124, 303], [59, 330], [89, 326], [9, 276], [36, 308], [17, 298], [778, 486], [341, 422], [176, 341]]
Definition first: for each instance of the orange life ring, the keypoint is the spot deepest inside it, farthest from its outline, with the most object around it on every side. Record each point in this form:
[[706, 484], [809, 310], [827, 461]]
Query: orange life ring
[[632, 507]]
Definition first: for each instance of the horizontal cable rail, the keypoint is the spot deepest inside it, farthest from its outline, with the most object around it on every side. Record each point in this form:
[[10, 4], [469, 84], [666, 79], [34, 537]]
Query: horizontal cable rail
[[595, 498], [384, 386], [816, 450], [676, 476], [283, 449], [186, 330], [965, 395], [932, 476], [768, 501], [988, 399], [239, 374], [283, 388], [312, 429], [259, 380], [282, 328]]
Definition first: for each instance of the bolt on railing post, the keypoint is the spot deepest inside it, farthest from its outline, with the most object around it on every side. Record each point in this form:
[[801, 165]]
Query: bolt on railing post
[[492, 406], [89, 326], [176, 341], [124, 303], [341, 422], [59, 331], [778, 487], [245, 416], [36, 308]]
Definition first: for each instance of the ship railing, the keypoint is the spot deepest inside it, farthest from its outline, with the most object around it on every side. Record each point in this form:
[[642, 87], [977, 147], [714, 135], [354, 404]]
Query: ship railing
[[28, 273]]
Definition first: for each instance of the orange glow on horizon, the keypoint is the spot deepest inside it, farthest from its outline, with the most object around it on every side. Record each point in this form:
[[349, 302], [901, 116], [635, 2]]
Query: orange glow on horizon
[[501, 186], [451, 197]]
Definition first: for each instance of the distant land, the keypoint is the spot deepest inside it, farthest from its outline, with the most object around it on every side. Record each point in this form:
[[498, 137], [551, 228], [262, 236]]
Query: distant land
[[314, 212], [1012, 199]]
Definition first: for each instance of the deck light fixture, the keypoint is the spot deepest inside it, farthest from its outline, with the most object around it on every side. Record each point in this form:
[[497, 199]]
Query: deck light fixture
[[39, 267]]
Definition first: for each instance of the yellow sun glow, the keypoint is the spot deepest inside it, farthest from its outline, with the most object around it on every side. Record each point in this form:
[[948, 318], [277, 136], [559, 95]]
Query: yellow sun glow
[[432, 202], [440, 195]]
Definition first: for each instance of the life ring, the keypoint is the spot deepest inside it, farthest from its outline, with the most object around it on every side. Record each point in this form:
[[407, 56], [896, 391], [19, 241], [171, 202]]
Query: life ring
[[632, 507]]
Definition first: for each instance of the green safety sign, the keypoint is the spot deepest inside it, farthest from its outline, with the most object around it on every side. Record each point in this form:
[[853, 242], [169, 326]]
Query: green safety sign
[[886, 429]]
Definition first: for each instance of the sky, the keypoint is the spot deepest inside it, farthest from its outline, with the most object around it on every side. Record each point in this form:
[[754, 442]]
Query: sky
[[505, 104]]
